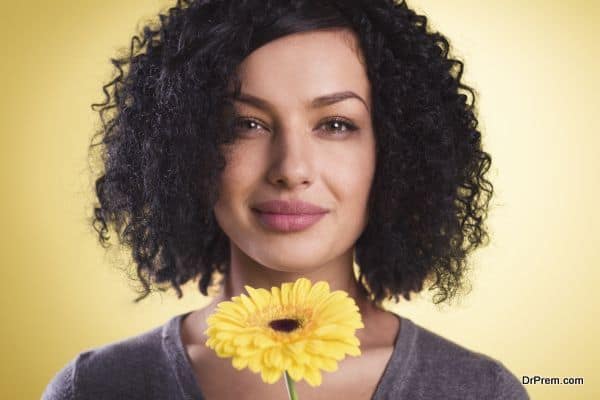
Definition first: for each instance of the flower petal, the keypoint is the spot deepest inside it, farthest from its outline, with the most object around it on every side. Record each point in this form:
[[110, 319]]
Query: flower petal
[[230, 307], [296, 351], [286, 289], [296, 371], [275, 297], [300, 290], [250, 306], [333, 332], [260, 297], [316, 346], [255, 362], [239, 363], [325, 363], [263, 341], [270, 375], [312, 376], [242, 340], [246, 351], [273, 357], [318, 292]]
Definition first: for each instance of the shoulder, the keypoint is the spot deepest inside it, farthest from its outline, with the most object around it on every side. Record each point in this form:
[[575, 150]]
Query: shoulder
[[440, 365], [119, 369], [61, 385]]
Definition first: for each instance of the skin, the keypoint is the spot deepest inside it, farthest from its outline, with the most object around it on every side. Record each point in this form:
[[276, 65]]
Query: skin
[[293, 150]]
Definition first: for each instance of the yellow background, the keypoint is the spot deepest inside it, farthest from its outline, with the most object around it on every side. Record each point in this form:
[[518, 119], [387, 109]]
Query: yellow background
[[535, 65]]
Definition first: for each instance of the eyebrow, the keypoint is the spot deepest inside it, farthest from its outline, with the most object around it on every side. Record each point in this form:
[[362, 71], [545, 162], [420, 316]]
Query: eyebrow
[[320, 101]]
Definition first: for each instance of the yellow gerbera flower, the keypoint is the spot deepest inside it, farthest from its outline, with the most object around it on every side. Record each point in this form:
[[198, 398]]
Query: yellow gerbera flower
[[298, 328]]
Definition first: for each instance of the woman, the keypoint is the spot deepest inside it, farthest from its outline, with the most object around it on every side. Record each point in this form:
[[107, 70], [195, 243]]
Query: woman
[[266, 141]]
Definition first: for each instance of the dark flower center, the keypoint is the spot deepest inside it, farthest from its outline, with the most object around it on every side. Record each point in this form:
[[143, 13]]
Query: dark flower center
[[285, 325]]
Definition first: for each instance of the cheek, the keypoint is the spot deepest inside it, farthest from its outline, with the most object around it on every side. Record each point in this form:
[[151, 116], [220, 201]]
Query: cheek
[[353, 166], [350, 176], [353, 185], [240, 173], [235, 182]]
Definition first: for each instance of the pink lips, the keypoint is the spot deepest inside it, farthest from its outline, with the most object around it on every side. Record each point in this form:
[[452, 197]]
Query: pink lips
[[288, 216]]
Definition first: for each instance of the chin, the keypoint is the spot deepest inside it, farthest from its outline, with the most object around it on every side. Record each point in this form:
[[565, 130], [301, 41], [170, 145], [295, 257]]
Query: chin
[[290, 261]]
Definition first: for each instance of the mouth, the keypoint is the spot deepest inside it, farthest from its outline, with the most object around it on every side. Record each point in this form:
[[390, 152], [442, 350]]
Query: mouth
[[279, 222]]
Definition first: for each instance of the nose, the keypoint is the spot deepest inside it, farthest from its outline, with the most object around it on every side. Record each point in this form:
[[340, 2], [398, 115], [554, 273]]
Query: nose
[[292, 159]]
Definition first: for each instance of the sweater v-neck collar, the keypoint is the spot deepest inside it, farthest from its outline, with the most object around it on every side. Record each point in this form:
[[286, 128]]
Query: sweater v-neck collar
[[394, 374]]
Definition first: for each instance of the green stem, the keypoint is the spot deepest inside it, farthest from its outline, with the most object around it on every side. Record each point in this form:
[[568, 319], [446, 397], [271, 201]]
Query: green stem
[[291, 389]]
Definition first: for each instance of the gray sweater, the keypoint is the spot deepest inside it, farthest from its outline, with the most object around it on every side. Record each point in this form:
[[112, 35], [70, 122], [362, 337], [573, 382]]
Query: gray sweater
[[154, 365]]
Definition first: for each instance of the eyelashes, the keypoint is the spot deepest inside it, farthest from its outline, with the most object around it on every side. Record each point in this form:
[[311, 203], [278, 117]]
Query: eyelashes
[[349, 126], [341, 126]]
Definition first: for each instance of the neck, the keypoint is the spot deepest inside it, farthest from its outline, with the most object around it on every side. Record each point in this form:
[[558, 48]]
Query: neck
[[339, 274]]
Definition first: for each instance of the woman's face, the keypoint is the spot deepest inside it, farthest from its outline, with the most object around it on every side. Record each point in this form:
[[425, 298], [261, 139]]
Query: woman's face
[[292, 146]]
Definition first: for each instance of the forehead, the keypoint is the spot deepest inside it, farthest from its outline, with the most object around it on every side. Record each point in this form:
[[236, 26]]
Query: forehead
[[302, 66]]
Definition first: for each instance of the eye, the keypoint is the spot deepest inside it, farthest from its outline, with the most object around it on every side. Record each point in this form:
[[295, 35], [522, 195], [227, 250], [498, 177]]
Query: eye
[[245, 124], [339, 124], [335, 124]]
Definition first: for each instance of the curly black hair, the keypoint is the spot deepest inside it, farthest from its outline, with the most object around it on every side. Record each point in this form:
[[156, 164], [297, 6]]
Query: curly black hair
[[163, 127]]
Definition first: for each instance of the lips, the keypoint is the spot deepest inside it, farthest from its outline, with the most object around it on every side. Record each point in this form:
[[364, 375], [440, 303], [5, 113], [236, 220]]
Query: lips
[[289, 207], [288, 216]]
